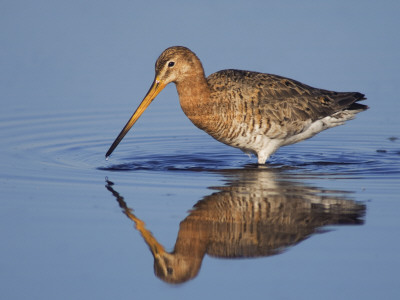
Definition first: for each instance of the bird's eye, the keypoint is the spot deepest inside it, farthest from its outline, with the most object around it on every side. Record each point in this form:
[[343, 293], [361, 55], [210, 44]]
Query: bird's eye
[[171, 64]]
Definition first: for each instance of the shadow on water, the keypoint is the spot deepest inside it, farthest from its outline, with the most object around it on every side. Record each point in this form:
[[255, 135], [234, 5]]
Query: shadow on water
[[257, 213], [188, 162], [216, 162], [330, 162]]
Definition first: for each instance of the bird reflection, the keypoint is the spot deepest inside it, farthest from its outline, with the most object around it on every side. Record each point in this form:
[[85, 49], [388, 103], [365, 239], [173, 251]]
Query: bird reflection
[[256, 214]]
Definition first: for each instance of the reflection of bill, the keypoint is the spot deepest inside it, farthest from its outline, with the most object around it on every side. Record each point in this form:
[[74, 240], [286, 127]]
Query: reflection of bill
[[254, 215]]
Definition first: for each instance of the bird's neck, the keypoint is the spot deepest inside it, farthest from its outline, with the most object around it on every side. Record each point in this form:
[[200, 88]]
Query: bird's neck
[[194, 97]]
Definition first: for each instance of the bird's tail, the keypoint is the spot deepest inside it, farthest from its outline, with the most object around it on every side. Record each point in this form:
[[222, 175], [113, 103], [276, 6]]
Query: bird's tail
[[349, 101]]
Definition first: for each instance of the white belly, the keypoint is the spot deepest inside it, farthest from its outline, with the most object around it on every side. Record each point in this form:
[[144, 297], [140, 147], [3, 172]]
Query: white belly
[[264, 146]]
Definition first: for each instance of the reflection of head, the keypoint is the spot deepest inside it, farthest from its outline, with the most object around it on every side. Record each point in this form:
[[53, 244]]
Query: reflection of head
[[173, 268]]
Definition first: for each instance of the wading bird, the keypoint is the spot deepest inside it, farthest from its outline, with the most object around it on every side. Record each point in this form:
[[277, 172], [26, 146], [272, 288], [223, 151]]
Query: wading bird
[[255, 112]]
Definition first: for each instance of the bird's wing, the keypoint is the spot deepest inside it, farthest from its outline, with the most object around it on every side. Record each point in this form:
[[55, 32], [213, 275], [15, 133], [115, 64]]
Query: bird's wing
[[277, 100]]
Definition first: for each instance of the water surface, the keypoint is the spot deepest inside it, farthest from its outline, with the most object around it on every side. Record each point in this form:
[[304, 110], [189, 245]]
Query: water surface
[[318, 211]]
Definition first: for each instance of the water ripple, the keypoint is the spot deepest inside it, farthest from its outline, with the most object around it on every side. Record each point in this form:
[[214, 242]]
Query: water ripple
[[76, 141]]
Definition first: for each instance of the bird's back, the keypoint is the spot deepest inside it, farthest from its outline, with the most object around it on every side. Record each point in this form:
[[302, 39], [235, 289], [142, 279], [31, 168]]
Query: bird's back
[[268, 98], [249, 107]]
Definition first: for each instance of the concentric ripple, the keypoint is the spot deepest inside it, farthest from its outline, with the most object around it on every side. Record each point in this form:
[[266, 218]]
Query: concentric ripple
[[69, 146]]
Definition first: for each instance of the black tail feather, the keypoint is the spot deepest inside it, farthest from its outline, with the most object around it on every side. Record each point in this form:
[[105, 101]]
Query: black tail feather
[[357, 106], [348, 100]]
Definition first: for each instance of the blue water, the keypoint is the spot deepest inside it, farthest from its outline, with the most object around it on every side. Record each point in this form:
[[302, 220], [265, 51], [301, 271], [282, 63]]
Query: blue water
[[319, 221]]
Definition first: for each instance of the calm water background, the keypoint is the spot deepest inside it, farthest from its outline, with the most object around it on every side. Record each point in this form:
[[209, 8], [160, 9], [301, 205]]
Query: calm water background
[[71, 74]]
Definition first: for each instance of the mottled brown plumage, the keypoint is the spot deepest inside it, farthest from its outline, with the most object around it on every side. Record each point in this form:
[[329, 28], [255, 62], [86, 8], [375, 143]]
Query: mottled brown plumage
[[255, 112]]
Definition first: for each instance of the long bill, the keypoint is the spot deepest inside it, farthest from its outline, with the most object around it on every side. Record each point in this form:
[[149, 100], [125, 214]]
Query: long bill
[[155, 88]]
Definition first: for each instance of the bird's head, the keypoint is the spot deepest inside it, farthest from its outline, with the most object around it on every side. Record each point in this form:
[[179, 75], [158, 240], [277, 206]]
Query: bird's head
[[174, 65]]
